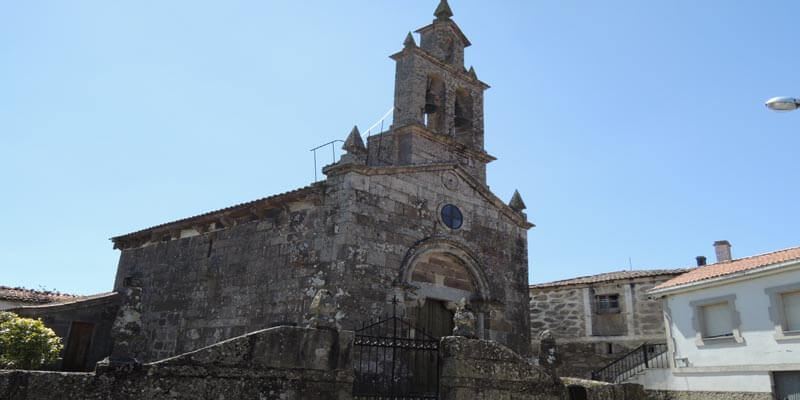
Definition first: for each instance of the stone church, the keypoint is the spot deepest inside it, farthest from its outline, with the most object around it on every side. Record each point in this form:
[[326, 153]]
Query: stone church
[[408, 215]]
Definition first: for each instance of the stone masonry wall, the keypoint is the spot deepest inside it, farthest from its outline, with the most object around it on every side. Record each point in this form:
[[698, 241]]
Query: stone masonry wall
[[563, 310], [403, 146], [352, 237], [560, 310], [479, 369], [283, 363], [201, 289], [387, 215]]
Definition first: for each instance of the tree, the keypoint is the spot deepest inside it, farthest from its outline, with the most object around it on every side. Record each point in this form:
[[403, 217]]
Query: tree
[[26, 343]]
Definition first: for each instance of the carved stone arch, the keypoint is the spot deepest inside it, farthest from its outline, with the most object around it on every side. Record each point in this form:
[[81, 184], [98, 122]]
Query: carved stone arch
[[426, 247]]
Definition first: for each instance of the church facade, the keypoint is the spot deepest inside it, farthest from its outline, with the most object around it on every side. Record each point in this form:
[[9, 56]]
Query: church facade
[[406, 216]]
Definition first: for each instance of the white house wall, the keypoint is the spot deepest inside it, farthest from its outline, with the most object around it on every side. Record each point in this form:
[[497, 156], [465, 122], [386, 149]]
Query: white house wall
[[729, 366], [664, 379]]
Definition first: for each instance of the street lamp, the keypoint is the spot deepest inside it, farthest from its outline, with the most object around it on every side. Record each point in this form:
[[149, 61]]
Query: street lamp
[[783, 103]]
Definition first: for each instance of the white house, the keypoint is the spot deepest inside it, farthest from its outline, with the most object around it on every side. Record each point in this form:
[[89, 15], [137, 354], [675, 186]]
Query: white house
[[733, 326]]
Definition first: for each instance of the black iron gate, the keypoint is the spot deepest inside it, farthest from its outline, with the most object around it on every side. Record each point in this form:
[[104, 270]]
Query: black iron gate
[[395, 360]]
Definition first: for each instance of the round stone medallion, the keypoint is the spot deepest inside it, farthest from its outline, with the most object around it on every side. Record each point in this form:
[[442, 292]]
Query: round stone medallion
[[450, 180]]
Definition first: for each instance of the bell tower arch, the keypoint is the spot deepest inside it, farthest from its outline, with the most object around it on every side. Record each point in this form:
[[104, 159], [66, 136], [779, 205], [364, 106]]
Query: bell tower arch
[[437, 94]]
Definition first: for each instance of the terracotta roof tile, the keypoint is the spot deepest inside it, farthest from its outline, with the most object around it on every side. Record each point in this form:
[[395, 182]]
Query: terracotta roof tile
[[610, 276], [732, 267], [34, 296]]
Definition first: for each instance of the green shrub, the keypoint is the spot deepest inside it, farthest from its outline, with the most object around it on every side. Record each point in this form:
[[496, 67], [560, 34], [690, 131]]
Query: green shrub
[[26, 343]]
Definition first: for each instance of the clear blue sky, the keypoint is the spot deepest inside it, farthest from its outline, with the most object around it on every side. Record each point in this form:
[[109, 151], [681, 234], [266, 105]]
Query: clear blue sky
[[632, 129]]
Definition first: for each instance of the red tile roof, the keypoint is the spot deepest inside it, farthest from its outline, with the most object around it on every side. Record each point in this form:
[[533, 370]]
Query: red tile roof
[[610, 276], [23, 295], [732, 267]]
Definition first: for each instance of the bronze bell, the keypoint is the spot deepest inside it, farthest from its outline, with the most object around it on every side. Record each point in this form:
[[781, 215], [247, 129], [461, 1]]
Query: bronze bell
[[430, 103], [460, 121]]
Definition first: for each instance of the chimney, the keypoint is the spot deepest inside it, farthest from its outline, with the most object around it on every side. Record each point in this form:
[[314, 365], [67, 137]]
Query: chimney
[[723, 250], [701, 260]]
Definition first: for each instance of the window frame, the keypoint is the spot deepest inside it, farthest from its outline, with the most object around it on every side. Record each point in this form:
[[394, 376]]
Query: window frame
[[699, 323], [607, 310], [777, 313], [449, 218]]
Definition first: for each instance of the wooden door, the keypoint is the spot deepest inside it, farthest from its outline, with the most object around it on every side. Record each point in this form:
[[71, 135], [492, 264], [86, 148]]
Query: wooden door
[[77, 351], [433, 318]]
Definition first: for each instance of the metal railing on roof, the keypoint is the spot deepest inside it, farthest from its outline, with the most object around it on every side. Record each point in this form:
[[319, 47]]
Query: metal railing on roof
[[381, 123]]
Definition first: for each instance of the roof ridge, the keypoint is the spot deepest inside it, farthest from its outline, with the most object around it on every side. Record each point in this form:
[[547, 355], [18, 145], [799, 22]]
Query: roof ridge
[[649, 272], [753, 256], [734, 266], [219, 210], [45, 292]]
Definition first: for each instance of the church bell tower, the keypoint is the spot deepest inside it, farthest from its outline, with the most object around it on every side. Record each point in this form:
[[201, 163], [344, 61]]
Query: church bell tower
[[438, 103]]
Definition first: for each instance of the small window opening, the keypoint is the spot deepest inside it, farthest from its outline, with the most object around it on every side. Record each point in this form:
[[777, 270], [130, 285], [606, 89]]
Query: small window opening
[[462, 116], [718, 321], [607, 304], [433, 111], [452, 217]]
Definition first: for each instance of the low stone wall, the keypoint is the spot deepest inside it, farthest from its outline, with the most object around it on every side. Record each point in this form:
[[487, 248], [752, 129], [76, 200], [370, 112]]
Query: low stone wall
[[278, 363], [479, 369], [604, 390], [292, 363], [702, 395]]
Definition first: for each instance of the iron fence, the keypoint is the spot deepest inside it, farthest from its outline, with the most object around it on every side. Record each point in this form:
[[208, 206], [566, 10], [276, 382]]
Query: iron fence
[[395, 360], [648, 355]]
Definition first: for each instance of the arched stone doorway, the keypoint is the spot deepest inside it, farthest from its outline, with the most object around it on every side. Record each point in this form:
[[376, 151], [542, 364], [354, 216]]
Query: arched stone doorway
[[437, 274]]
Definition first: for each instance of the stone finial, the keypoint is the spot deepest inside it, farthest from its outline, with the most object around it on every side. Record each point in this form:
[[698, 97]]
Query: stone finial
[[464, 321], [323, 310], [409, 42], [472, 73], [548, 353], [354, 144], [443, 11], [516, 202]]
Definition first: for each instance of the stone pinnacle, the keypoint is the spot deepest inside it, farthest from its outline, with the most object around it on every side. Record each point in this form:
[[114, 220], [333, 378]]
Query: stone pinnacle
[[516, 202], [354, 144], [472, 72], [409, 42], [443, 11]]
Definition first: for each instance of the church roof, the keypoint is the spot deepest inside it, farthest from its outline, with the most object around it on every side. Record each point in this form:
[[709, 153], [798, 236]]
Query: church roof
[[227, 212]]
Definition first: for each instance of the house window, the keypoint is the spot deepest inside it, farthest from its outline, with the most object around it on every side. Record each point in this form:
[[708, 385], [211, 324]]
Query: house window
[[716, 320], [791, 309], [784, 310], [607, 303]]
